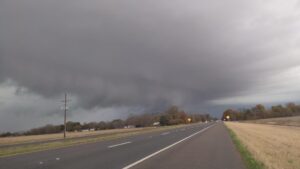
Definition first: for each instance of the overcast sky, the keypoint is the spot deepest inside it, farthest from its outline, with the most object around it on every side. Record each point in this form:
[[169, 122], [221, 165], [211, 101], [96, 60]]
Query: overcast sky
[[121, 57]]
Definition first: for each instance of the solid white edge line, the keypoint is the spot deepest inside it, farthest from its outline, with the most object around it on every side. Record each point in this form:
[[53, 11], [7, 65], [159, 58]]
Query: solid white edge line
[[164, 149], [116, 145]]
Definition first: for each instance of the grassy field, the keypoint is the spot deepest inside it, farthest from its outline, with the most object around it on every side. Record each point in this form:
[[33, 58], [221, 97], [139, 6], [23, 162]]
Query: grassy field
[[285, 121], [47, 137], [13, 145], [277, 147]]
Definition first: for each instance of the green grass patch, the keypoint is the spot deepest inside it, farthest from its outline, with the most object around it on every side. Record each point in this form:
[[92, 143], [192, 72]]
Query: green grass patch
[[247, 157]]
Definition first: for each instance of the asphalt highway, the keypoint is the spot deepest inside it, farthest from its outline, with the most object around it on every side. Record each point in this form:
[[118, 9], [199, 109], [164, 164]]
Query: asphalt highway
[[201, 146]]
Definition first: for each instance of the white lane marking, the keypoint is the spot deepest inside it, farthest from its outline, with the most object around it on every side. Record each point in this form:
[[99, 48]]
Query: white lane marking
[[41, 162], [57, 158], [165, 133], [150, 136], [116, 145], [164, 149]]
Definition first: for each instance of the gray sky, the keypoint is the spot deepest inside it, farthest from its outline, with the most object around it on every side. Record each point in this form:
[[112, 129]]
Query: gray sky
[[125, 57]]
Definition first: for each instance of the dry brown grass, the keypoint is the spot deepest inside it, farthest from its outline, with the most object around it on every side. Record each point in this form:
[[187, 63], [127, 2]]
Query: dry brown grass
[[278, 147], [16, 145], [47, 137]]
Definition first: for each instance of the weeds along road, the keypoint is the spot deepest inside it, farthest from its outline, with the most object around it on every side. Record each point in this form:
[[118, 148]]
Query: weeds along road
[[205, 146]]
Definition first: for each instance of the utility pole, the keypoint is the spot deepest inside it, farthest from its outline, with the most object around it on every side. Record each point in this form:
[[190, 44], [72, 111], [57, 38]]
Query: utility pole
[[65, 101], [65, 120]]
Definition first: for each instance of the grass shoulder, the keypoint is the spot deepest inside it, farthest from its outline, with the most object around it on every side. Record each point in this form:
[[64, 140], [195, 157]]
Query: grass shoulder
[[35, 147], [247, 157]]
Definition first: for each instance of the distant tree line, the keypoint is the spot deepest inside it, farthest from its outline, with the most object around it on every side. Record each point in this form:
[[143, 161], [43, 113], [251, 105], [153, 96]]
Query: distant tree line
[[172, 116], [260, 112]]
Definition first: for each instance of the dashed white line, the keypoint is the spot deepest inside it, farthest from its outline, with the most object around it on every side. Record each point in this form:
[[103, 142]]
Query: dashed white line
[[165, 133], [57, 158], [164, 149], [116, 145]]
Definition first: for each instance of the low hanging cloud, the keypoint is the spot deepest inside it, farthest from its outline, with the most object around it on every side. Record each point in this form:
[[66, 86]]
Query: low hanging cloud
[[146, 54]]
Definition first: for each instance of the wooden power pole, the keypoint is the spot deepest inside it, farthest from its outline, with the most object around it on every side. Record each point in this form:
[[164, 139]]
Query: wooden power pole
[[65, 101], [65, 119]]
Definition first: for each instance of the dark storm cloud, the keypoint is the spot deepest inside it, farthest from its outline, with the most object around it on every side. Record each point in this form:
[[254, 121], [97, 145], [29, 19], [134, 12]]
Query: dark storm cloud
[[112, 53]]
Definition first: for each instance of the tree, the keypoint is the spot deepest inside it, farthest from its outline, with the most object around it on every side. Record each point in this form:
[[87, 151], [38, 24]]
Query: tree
[[7, 134], [164, 120], [101, 125], [293, 109], [259, 111], [73, 126], [118, 123], [278, 111]]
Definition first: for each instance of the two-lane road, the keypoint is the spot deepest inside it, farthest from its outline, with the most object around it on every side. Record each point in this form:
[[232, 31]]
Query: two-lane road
[[201, 146]]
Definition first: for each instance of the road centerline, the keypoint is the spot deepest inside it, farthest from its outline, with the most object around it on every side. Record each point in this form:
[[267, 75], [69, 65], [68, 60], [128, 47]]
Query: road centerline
[[121, 144], [166, 148]]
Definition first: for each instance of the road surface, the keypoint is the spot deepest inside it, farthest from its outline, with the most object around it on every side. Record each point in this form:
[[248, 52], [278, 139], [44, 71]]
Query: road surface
[[201, 146]]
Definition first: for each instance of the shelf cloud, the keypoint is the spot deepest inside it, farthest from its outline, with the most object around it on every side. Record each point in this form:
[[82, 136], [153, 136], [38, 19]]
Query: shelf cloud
[[146, 55]]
